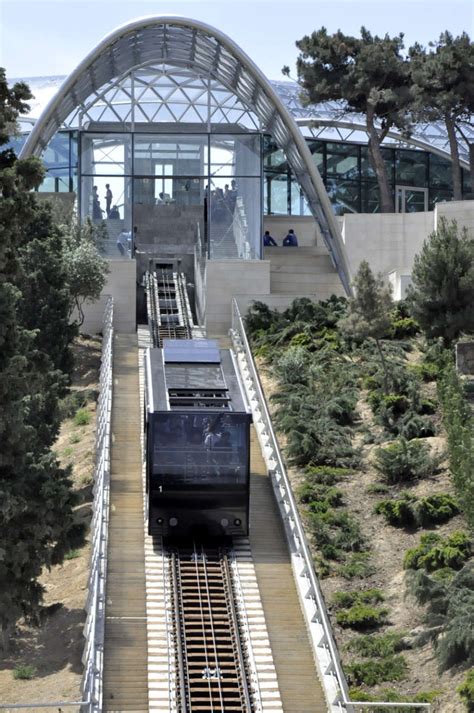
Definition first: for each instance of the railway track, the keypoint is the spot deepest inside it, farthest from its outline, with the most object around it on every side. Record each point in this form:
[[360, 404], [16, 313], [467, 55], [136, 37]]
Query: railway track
[[212, 671]]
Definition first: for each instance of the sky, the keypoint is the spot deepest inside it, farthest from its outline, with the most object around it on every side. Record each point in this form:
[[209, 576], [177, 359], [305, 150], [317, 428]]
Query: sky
[[50, 37]]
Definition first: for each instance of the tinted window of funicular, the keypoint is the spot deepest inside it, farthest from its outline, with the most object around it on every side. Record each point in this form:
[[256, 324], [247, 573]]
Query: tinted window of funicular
[[200, 449]]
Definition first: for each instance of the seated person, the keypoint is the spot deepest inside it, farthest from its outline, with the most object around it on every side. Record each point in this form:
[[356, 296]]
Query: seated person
[[114, 213], [268, 240], [291, 240]]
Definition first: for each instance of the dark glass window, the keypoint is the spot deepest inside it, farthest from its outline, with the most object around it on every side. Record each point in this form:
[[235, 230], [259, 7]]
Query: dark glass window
[[411, 168], [318, 149], [200, 449], [344, 195], [342, 160], [440, 172]]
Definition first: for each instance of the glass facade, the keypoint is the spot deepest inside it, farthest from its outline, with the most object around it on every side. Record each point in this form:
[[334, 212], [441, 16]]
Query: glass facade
[[350, 181], [160, 187]]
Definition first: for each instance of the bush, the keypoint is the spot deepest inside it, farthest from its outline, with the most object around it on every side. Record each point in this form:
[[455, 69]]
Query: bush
[[389, 695], [347, 599], [411, 426], [404, 460], [466, 691], [358, 566], [403, 328], [373, 672], [408, 511], [434, 552], [326, 475], [24, 673], [427, 371], [291, 366], [361, 616], [82, 417], [372, 645]]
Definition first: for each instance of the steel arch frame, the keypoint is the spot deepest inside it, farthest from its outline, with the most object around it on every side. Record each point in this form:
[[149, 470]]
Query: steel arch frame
[[195, 45]]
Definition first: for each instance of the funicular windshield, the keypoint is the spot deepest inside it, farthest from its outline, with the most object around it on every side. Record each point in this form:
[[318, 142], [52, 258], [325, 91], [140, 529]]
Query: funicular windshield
[[200, 449]]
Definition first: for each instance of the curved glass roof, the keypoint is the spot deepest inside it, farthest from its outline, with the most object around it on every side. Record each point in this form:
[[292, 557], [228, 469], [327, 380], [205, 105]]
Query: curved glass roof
[[191, 47]]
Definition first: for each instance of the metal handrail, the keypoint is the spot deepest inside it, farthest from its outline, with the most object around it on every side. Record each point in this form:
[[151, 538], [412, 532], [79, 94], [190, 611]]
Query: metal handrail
[[95, 623], [295, 528]]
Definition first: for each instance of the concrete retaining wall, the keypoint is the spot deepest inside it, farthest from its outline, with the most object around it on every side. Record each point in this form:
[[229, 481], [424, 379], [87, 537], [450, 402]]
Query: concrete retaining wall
[[121, 285], [226, 279]]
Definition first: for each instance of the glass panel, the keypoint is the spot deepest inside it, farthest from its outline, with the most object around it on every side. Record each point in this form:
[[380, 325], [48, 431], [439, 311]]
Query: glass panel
[[198, 449], [370, 197], [56, 153], [237, 155], [107, 199], [467, 184], [342, 160], [344, 195], [235, 220], [366, 168], [439, 196], [414, 201], [299, 205], [273, 157], [171, 155], [277, 193], [411, 167], [440, 172], [56, 181], [317, 149], [106, 154], [167, 211]]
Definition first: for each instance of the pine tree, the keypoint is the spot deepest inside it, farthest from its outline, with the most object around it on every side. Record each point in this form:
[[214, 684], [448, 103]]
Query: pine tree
[[443, 87], [369, 311], [369, 76], [441, 297]]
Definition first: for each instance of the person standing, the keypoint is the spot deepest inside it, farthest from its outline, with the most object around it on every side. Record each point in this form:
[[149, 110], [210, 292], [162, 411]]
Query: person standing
[[96, 209], [108, 199], [291, 240]]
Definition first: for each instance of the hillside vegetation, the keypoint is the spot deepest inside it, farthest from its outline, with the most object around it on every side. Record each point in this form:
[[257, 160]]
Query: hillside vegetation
[[377, 435]]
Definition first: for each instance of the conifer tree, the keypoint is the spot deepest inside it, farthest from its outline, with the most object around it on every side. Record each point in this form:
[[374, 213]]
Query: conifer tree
[[443, 87], [35, 495], [369, 311], [441, 296], [369, 76]]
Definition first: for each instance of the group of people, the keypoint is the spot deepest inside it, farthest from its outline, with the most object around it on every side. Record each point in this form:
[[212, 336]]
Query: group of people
[[222, 201], [289, 241], [112, 212]]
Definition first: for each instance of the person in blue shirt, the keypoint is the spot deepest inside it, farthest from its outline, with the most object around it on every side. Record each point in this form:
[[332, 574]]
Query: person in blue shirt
[[268, 241], [291, 240]]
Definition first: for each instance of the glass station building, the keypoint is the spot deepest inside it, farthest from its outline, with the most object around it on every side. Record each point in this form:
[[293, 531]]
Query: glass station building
[[190, 142]]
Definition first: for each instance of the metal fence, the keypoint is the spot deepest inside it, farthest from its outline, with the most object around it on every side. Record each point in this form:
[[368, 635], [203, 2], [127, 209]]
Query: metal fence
[[314, 607], [95, 623]]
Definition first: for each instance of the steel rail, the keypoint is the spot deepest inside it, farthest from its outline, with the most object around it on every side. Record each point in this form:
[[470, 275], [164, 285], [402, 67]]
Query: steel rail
[[211, 623]]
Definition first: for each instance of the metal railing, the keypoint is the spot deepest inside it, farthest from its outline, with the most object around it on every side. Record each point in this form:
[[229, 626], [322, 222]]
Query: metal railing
[[317, 618], [95, 623]]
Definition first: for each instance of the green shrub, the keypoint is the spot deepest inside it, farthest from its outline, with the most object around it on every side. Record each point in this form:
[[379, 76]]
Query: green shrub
[[466, 691], [358, 566], [347, 599], [335, 533], [427, 371], [377, 489], [361, 616], [398, 512], [291, 366], [24, 673], [381, 645], [72, 555], [389, 695], [375, 671], [403, 328], [315, 494], [327, 475], [435, 552], [75, 400], [412, 425], [404, 460], [408, 511], [82, 417]]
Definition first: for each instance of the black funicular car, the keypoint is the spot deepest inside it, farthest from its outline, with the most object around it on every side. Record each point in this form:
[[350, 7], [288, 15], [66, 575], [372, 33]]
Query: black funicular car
[[197, 423]]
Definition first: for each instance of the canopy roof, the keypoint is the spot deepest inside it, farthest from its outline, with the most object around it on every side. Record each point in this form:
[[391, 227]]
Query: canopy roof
[[193, 45]]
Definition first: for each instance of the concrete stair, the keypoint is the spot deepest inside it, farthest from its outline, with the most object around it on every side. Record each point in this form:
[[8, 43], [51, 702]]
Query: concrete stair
[[302, 271]]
